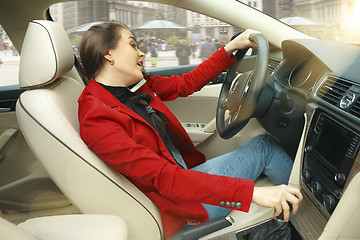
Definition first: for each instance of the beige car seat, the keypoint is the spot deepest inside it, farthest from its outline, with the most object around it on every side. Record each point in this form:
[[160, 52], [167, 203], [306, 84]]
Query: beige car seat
[[47, 115]]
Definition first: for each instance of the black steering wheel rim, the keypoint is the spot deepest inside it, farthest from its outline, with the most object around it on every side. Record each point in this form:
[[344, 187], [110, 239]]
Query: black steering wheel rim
[[241, 92]]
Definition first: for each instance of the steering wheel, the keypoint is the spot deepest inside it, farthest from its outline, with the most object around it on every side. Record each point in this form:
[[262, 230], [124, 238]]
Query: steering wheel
[[240, 92]]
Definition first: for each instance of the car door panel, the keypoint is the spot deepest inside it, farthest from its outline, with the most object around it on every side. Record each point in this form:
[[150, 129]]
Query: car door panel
[[9, 95], [197, 112]]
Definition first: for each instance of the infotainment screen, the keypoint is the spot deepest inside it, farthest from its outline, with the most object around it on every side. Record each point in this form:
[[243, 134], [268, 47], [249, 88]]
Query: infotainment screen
[[333, 143]]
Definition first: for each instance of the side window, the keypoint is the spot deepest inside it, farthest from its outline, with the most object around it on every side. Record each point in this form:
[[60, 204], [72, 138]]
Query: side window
[[168, 35], [9, 61]]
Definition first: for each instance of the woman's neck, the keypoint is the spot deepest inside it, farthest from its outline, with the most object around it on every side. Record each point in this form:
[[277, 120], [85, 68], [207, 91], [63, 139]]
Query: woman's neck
[[109, 79]]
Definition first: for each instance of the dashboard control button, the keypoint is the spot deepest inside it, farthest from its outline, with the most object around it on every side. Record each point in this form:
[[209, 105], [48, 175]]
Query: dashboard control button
[[329, 202], [316, 188], [306, 176], [340, 178], [308, 149]]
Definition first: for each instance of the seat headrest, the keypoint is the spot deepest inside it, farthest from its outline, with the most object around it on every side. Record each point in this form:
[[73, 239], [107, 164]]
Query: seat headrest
[[46, 54]]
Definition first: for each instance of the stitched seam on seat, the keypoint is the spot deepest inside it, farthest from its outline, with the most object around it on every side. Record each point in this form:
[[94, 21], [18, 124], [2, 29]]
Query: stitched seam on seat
[[52, 44]]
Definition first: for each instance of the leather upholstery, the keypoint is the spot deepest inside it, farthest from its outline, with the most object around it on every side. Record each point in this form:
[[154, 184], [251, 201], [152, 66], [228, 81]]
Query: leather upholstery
[[78, 226], [50, 54], [48, 118]]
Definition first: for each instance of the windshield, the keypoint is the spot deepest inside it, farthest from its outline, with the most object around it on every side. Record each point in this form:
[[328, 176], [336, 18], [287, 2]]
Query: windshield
[[337, 20], [177, 35]]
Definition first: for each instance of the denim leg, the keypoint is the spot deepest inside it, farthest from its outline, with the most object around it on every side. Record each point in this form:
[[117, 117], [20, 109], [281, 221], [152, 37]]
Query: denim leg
[[261, 154]]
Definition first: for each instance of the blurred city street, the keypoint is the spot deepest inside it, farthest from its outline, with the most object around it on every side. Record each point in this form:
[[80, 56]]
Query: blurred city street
[[9, 69], [168, 59]]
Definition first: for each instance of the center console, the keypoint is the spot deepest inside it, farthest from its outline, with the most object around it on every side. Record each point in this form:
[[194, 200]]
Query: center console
[[330, 150]]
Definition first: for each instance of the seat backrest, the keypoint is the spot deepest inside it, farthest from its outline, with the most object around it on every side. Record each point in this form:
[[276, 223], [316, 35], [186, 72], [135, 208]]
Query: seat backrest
[[47, 114]]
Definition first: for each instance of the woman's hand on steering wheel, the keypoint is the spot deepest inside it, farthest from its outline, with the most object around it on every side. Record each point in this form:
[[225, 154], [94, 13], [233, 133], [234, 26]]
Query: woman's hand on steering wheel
[[242, 41]]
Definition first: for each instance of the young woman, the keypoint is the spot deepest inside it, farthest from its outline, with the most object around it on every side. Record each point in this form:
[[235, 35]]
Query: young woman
[[124, 121]]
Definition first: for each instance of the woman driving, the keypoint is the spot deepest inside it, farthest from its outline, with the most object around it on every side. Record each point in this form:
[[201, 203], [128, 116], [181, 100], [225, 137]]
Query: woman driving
[[124, 121]]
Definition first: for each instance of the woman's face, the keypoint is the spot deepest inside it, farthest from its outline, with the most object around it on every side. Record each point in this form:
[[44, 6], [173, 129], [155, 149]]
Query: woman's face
[[128, 59]]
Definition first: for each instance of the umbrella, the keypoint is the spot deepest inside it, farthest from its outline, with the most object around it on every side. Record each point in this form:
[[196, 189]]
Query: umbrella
[[298, 21], [82, 28], [158, 24]]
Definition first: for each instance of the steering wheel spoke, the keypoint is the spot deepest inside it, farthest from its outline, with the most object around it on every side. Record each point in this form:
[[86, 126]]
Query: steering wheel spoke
[[233, 116], [224, 104]]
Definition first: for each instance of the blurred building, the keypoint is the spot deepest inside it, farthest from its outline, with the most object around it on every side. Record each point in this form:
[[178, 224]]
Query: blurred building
[[328, 12], [278, 8], [73, 14], [203, 26], [131, 12], [255, 3]]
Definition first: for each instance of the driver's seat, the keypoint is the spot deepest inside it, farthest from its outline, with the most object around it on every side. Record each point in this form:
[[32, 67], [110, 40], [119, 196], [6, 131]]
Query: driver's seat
[[47, 114]]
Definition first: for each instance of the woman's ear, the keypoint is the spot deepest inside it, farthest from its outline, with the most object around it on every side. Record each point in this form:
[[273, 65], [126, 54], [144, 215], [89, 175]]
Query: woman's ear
[[109, 58]]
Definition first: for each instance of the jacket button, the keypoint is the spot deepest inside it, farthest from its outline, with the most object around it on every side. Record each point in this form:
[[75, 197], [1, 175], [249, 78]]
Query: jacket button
[[238, 205], [227, 204], [233, 204], [222, 203]]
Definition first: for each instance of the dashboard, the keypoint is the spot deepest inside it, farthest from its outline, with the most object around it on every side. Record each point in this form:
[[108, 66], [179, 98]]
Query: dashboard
[[321, 79]]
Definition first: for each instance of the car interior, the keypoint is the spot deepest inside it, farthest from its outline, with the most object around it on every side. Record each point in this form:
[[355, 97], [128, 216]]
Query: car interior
[[53, 187]]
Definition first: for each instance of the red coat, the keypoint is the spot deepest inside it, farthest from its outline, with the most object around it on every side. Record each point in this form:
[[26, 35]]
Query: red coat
[[127, 142]]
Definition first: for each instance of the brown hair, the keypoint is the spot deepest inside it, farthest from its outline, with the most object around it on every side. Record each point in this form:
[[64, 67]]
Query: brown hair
[[95, 43]]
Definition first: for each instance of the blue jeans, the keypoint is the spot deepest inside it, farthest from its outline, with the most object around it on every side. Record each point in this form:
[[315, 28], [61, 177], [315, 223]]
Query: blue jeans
[[261, 154]]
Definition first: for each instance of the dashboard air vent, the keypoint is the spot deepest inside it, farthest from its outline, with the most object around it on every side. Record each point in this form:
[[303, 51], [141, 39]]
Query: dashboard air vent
[[355, 109], [333, 89], [273, 63]]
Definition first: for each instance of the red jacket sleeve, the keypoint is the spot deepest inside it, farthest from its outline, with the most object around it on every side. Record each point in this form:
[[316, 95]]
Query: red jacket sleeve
[[169, 88]]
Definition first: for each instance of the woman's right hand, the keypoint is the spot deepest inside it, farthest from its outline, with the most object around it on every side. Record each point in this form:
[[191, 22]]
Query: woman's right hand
[[277, 197]]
